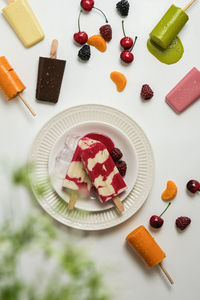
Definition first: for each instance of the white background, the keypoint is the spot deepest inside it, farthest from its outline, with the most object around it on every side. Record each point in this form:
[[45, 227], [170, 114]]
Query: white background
[[174, 138]]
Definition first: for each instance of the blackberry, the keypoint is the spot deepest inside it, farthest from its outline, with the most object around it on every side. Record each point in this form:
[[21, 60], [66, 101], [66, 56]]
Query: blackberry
[[123, 7], [106, 32], [122, 167], [116, 154], [84, 53], [146, 92]]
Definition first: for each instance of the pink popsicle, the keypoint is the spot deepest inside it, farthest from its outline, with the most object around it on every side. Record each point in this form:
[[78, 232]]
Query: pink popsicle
[[185, 92], [102, 170]]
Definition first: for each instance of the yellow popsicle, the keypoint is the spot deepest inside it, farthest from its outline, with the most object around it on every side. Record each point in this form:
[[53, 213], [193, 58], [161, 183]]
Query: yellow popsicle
[[23, 21]]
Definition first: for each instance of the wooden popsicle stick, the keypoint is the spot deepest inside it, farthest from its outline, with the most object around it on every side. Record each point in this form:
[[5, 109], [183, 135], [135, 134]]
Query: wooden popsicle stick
[[119, 205], [166, 273], [72, 200], [188, 5], [54, 48], [27, 105]]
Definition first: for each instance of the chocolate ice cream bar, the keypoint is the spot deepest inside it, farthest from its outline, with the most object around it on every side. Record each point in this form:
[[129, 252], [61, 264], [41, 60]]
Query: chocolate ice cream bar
[[50, 75]]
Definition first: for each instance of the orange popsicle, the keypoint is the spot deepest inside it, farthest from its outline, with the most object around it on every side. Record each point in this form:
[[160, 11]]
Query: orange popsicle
[[10, 83], [147, 248], [145, 245]]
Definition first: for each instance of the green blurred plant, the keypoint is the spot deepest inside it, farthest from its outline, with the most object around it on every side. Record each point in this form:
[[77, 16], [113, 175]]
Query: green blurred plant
[[22, 175], [75, 276]]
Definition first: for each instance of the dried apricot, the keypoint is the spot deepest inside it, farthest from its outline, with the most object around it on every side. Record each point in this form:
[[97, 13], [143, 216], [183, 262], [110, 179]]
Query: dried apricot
[[98, 42], [119, 79], [170, 191]]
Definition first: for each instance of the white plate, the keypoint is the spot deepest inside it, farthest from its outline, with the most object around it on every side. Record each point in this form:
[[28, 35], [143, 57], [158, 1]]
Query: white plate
[[62, 152], [46, 140]]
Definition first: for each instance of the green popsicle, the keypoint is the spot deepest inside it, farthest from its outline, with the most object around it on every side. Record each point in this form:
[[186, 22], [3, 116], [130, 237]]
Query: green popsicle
[[169, 26]]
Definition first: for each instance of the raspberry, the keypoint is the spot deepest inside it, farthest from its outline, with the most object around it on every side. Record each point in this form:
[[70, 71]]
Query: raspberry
[[84, 53], [182, 222], [122, 167], [116, 154], [106, 32], [146, 92], [123, 7]]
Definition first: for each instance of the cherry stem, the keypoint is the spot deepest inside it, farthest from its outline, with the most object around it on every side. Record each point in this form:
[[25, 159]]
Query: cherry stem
[[165, 209], [123, 28], [133, 44], [101, 12], [79, 28]]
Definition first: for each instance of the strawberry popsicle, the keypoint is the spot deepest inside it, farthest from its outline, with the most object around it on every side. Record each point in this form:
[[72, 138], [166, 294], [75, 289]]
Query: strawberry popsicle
[[76, 179], [102, 171], [147, 248], [23, 21], [185, 92], [10, 83], [101, 138]]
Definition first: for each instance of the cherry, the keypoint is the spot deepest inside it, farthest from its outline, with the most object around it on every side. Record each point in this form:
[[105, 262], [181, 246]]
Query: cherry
[[157, 221], [80, 37], [126, 42], [87, 4], [126, 55], [193, 186]]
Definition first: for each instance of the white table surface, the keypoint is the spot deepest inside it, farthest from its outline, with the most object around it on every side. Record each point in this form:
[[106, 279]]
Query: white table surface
[[174, 138]]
